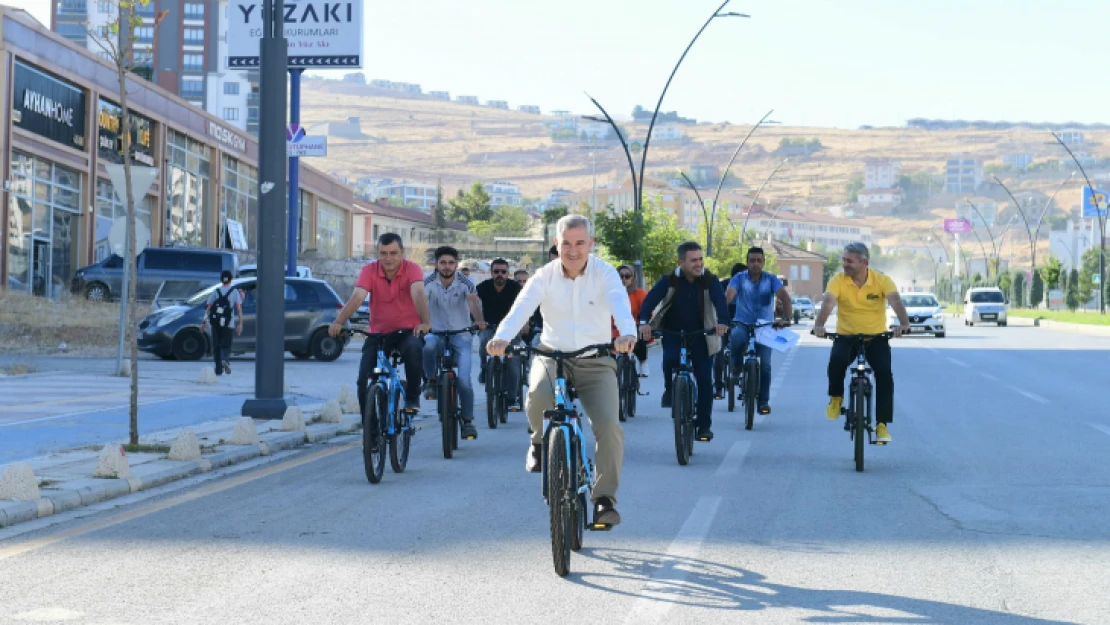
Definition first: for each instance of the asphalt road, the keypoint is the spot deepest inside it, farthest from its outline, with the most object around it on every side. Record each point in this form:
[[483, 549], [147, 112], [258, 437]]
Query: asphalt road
[[989, 507]]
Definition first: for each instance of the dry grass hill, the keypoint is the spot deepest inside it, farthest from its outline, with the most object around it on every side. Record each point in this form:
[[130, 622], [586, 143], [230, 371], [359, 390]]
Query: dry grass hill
[[424, 140]]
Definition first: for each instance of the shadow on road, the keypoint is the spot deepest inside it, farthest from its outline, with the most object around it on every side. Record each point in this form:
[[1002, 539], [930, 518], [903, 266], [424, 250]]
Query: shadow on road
[[702, 583]]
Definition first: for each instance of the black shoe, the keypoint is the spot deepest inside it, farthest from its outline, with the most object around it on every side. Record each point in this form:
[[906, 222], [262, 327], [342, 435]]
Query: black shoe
[[764, 409], [469, 432], [704, 435], [227, 367], [605, 513], [482, 376], [219, 371], [532, 463], [666, 403], [719, 394], [412, 407], [514, 407], [431, 390]]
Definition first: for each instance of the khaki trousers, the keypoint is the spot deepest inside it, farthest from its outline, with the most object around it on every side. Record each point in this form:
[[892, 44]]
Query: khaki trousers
[[595, 379]]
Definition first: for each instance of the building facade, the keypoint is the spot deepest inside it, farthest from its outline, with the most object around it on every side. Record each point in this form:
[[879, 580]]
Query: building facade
[[411, 194], [881, 174], [417, 228], [802, 269], [962, 174], [799, 228], [62, 129], [504, 194]]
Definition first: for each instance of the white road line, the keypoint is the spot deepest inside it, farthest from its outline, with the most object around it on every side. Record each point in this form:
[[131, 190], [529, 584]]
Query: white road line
[[730, 465], [1033, 396], [1100, 427], [959, 362], [989, 377], [656, 596], [104, 409]]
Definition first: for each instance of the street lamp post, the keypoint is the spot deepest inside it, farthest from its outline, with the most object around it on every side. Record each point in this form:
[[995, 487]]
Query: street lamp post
[[1100, 210], [990, 234], [936, 274], [638, 181], [1033, 231], [755, 198]]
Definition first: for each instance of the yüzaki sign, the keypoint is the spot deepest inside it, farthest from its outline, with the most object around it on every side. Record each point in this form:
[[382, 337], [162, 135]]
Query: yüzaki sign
[[957, 226], [226, 137], [319, 34], [48, 107], [109, 140]]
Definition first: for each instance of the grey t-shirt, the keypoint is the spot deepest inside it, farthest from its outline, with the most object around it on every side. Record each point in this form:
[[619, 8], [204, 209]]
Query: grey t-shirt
[[448, 305], [233, 296]]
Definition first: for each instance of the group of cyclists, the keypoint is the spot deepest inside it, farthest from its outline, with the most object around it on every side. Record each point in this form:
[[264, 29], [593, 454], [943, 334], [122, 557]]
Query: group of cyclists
[[577, 300]]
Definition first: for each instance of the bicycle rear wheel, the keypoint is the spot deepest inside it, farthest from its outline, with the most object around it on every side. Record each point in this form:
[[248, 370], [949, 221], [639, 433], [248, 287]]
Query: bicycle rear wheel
[[860, 400], [731, 386], [373, 443], [678, 416], [751, 391], [579, 509], [402, 436], [447, 413], [560, 499], [622, 388], [688, 434]]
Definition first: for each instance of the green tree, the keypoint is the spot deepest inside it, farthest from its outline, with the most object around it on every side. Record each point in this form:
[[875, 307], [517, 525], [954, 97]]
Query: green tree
[[1017, 289], [976, 278], [1050, 272], [550, 216], [832, 266], [472, 205], [855, 185], [1036, 290], [439, 211], [1087, 273], [1005, 282], [619, 234], [1071, 295]]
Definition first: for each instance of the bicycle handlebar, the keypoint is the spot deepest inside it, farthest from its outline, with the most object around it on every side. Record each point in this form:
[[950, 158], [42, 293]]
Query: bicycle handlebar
[[755, 326], [684, 333], [834, 335], [472, 329], [602, 349], [374, 335]]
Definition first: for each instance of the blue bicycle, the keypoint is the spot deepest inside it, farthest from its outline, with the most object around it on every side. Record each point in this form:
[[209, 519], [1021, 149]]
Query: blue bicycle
[[747, 377], [684, 393], [386, 426], [568, 474]]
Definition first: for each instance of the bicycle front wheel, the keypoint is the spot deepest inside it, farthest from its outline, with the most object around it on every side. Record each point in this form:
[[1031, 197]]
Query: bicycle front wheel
[[446, 413], [751, 392], [860, 400], [678, 409], [373, 441], [579, 509], [731, 386], [493, 391], [560, 499]]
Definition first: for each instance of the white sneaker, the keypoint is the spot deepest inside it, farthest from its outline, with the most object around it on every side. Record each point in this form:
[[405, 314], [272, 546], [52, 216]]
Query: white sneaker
[[645, 370]]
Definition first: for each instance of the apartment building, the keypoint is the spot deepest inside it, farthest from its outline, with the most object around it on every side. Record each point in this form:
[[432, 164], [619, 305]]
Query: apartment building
[[411, 194], [529, 108], [373, 219], [232, 94], [800, 228], [962, 174], [504, 194], [497, 104], [881, 173], [678, 201], [178, 55], [467, 99], [440, 95]]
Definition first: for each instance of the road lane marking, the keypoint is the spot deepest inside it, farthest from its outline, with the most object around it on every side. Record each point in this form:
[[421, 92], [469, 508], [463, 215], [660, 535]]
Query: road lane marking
[[959, 362], [104, 409], [1033, 396], [730, 465], [657, 594], [1100, 427], [141, 511]]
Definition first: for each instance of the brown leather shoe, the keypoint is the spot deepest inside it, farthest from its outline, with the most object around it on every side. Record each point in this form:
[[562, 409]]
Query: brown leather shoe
[[533, 462]]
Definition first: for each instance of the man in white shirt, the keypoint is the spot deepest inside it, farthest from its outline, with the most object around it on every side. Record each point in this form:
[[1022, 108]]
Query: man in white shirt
[[577, 294]]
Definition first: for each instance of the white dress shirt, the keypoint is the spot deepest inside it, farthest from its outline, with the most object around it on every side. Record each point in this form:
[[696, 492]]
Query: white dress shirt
[[577, 312]]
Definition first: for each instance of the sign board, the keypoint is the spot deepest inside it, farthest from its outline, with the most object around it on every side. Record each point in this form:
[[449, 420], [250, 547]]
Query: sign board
[[1096, 279], [109, 143], [1056, 299], [957, 226], [635, 147], [297, 144], [1094, 204], [48, 106], [226, 137], [237, 235], [320, 34]]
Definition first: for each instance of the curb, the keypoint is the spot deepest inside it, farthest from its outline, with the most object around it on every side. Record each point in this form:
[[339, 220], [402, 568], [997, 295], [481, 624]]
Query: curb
[[87, 491]]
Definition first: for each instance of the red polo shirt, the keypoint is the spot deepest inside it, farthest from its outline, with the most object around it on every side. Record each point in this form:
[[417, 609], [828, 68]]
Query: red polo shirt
[[391, 306]]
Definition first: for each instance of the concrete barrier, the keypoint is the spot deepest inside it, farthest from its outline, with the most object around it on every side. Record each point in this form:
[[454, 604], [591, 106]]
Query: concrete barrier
[[331, 413], [245, 433], [112, 462], [18, 482], [185, 446], [293, 421], [206, 376]]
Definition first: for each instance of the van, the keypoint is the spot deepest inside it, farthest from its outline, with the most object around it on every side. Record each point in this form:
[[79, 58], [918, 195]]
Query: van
[[251, 270], [156, 265], [985, 305]]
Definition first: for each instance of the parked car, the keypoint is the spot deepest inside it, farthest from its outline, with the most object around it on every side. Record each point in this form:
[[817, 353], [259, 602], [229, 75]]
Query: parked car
[[104, 280], [803, 307], [985, 304], [251, 271], [925, 313], [361, 315], [310, 307]]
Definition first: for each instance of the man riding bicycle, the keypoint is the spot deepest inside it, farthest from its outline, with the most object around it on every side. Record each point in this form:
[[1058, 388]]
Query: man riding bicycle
[[754, 292], [497, 296], [577, 294], [719, 358], [452, 301], [397, 302], [860, 295], [690, 299], [636, 297]]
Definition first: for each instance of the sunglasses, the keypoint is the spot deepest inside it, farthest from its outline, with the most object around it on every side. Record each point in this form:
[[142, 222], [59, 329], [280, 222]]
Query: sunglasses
[[626, 276], [500, 272]]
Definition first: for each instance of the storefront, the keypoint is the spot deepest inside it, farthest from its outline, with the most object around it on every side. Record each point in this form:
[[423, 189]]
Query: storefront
[[110, 209], [44, 201]]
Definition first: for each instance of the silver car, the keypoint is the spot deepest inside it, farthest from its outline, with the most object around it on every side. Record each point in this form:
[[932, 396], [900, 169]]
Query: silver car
[[803, 308]]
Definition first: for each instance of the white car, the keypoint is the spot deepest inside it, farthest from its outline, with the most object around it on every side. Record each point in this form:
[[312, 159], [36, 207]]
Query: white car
[[925, 313], [251, 270], [803, 307], [985, 304]]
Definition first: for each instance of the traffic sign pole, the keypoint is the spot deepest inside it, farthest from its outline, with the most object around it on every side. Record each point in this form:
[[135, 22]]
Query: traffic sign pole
[[294, 174]]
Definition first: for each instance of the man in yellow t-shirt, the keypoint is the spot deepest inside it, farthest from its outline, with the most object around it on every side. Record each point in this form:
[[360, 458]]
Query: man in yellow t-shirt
[[860, 295]]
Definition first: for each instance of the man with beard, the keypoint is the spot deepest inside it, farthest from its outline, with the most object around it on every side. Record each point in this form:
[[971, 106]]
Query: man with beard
[[452, 301], [754, 293], [498, 295]]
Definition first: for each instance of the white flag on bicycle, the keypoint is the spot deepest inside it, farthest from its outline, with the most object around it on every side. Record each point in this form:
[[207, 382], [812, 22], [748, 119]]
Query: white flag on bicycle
[[779, 340]]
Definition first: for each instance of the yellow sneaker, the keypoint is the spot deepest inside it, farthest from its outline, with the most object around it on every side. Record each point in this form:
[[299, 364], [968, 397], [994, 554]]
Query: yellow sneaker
[[833, 410], [882, 436]]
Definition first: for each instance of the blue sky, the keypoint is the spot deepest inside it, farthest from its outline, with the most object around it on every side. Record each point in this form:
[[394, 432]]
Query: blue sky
[[817, 63]]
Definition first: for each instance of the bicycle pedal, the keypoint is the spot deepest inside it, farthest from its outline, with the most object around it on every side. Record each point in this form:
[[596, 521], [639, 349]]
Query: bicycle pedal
[[599, 527], [470, 438]]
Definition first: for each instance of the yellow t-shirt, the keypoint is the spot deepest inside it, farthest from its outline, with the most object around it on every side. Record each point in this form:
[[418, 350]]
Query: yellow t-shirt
[[861, 309]]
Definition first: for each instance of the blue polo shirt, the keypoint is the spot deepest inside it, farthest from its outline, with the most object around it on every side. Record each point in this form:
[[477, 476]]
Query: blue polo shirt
[[755, 301]]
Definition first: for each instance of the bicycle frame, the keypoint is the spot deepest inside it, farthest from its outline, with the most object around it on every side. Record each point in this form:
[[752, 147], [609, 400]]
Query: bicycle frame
[[394, 390], [565, 415]]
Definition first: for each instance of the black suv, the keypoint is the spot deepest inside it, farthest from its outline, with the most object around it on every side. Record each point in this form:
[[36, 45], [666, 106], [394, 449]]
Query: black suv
[[310, 307]]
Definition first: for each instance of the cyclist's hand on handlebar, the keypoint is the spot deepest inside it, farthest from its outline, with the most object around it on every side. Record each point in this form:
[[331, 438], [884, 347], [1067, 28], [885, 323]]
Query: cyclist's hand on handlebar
[[421, 329], [779, 323], [645, 331], [496, 347], [335, 329], [722, 329], [819, 331], [482, 325], [624, 344]]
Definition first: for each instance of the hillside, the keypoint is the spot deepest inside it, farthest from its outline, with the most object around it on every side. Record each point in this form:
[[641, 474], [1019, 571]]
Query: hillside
[[421, 139]]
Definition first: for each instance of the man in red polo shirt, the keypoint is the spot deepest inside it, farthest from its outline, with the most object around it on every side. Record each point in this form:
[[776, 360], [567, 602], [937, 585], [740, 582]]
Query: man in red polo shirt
[[397, 302]]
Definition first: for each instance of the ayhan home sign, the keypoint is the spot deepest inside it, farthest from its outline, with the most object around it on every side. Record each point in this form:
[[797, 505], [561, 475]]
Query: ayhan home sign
[[48, 106]]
